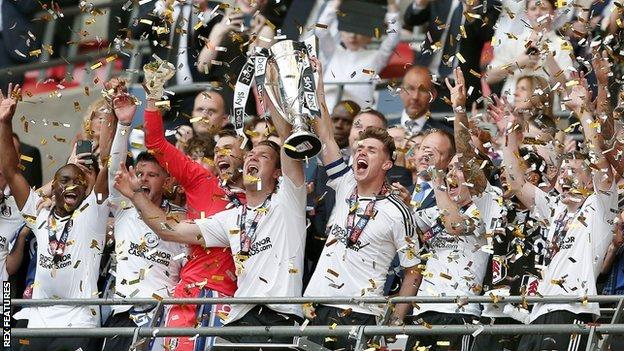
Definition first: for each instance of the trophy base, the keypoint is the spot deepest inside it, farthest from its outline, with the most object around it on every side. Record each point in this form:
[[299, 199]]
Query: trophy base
[[302, 145]]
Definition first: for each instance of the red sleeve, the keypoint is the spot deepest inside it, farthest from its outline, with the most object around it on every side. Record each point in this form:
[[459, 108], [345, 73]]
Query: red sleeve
[[179, 166]]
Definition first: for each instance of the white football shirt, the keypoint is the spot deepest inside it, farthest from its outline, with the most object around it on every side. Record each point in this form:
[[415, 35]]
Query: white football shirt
[[275, 265], [76, 274], [146, 265], [10, 221], [361, 269], [456, 264], [573, 270]]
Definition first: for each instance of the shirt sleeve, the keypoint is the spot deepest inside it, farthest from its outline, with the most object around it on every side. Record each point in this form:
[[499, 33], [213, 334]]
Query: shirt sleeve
[[340, 178], [29, 212], [292, 196], [118, 154], [503, 55], [403, 236], [425, 219], [390, 42], [180, 166], [606, 202], [489, 205], [212, 230]]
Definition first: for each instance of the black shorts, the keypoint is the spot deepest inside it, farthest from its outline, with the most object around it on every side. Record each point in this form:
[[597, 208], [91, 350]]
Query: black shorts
[[117, 342], [558, 342], [442, 342], [485, 342], [326, 315], [263, 316]]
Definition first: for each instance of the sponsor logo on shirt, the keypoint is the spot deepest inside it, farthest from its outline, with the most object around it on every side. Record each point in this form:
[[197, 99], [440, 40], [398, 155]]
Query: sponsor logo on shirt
[[147, 252], [341, 235], [531, 283], [45, 261], [259, 246]]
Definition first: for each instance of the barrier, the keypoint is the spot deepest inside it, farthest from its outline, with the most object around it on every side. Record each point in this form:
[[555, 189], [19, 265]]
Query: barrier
[[598, 333]]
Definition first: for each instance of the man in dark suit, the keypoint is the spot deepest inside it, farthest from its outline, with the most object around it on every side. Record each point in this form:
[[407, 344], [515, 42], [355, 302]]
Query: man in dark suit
[[15, 43], [417, 93], [445, 19]]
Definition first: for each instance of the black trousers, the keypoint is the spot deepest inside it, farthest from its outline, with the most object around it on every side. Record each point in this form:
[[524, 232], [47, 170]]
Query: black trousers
[[263, 316], [442, 342], [485, 342], [117, 343], [559, 342], [326, 315]]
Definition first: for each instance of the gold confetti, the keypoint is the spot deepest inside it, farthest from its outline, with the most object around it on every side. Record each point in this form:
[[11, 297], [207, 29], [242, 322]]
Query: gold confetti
[[26, 158]]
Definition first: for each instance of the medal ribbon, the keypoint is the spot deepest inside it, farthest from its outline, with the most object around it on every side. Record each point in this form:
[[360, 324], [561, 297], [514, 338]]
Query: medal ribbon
[[57, 246], [247, 236], [355, 231]]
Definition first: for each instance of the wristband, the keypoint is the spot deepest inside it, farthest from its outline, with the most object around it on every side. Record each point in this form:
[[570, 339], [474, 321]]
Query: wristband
[[459, 109]]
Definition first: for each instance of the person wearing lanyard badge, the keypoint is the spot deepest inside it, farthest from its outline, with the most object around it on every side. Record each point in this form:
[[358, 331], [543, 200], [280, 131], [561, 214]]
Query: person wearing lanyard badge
[[70, 236], [267, 236], [368, 226]]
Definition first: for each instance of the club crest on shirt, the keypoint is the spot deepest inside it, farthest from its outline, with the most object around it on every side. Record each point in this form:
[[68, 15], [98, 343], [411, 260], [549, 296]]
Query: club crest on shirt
[[499, 269], [151, 240], [5, 211]]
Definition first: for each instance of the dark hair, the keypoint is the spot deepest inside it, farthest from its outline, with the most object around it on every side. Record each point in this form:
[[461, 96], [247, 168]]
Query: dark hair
[[203, 144], [381, 135], [273, 145], [351, 106], [145, 156], [232, 133], [379, 115], [446, 134]]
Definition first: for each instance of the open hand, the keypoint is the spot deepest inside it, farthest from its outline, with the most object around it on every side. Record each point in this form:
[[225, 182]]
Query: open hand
[[126, 181], [8, 103], [458, 91]]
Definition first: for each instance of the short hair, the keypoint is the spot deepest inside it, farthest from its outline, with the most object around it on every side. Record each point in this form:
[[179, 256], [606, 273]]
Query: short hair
[[374, 112], [232, 133], [146, 156], [273, 145], [551, 2], [353, 107], [381, 135], [446, 134], [203, 144]]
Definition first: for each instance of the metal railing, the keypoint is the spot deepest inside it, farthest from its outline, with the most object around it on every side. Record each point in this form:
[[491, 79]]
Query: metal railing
[[598, 335]]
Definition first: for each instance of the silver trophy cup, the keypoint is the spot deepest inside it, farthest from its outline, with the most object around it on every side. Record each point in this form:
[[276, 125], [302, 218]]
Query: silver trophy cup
[[291, 92]]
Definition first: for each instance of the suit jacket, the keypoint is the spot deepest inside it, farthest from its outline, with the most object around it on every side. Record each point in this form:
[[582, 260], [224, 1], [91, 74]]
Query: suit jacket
[[32, 170], [478, 33], [16, 23]]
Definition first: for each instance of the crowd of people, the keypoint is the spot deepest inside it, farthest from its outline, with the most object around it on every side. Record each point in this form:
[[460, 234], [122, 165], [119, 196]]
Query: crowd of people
[[514, 192]]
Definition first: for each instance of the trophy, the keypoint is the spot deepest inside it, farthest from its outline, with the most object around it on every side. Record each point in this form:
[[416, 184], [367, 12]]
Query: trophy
[[291, 89]]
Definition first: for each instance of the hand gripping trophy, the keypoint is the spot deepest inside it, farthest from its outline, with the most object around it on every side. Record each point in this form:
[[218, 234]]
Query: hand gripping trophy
[[285, 75]]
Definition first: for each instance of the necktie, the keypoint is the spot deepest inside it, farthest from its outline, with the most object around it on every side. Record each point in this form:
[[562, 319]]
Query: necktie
[[451, 46], [419, 196], [412, 126]]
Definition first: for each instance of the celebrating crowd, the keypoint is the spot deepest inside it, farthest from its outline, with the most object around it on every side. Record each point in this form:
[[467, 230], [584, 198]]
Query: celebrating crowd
[[514, 191]]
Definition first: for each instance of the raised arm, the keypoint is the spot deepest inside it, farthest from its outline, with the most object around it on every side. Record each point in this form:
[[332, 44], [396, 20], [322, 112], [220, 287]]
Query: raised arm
[[512, 162], [9, 160], [470, 161], [230, 22], [579, 101], [124, 107], [186, 171], [323, 126], [127, 183]]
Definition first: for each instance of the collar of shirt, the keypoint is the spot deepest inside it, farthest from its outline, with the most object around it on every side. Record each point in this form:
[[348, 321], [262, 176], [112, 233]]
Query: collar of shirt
[[418, 123]]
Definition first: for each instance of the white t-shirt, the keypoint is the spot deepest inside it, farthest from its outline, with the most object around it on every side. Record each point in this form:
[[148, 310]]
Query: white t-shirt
[[574, 268], [362, 268], [10, 221], [456, 264], [146, 265], [76, 274], [275, 265], [506, 52]]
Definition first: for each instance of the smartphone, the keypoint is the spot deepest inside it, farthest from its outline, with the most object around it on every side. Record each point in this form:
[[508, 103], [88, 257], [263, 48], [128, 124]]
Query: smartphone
[[84, 147], [247, 20]]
